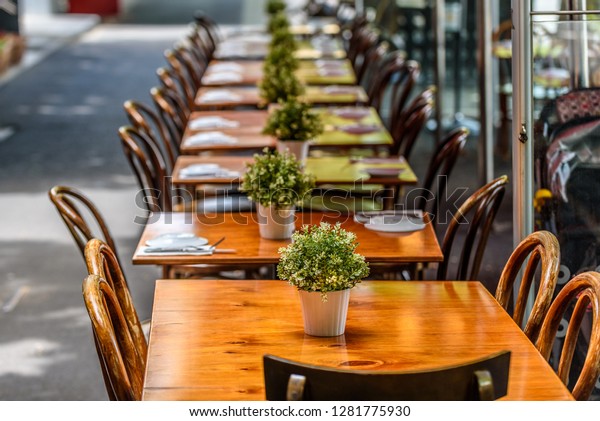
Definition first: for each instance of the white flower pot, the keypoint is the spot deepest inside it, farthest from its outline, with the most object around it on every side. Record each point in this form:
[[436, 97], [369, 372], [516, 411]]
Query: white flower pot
[[275, 224], [298, 148], [325, 318]]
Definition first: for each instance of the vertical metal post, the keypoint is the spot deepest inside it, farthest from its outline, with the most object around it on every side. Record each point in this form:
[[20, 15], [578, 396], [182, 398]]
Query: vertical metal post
[[439, 16], [580, 75], [359, 6], [522, 130], [486, 92]]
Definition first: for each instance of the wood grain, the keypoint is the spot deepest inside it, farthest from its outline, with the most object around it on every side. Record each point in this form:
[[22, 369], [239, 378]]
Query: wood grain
[[241, 233], [208, 338]]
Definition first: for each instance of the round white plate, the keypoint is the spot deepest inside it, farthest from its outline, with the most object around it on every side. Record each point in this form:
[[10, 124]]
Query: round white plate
[[177, 239], [394, 224]]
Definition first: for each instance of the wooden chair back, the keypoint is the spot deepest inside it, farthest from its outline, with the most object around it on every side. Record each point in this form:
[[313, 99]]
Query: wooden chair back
[[484, 379], [584, 291], [205, 23], [121, 362], [406, 128], [81, 216], [172, 108], [101, 260], [439, 169], [365, 38], [541, 247], [149, 167], [482, 207], [172, 81], [373, 59], [146, 120]]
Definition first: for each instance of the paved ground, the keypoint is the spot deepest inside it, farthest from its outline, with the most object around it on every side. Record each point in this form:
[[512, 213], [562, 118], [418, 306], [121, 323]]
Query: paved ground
[[67, 110]]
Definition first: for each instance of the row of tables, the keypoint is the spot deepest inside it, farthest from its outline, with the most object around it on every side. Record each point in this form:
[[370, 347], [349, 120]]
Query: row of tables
[[208, 337]]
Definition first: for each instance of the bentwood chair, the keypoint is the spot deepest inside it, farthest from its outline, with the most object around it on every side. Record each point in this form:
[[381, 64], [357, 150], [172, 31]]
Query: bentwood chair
[[541, 247], [476, 215], [122, 360], [172, 108], [584, 291], [146, 120], [410, 121], [171, 81], [483, 379], [81, 216]]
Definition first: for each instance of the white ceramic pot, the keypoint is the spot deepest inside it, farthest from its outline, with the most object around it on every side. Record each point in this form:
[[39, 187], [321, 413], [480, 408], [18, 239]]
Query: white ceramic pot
[[325, 318], [275, 224], [298, 148]]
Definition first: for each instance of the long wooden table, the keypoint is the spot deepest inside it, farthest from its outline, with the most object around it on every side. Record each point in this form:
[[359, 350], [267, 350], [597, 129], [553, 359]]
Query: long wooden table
[[249, 96], [208, 338], [256, 47], [339, 132], [250, 72], [241, 234]]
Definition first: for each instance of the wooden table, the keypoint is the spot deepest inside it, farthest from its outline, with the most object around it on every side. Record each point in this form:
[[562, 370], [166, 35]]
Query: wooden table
[[327, 170], [208, 337], [250, 72], [250, 123], [241, 233], [249, 96], [257, 48]]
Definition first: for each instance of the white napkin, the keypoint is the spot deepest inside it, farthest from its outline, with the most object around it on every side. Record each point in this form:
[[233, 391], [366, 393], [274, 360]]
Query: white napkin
[[207, 170], [212, 122], [219, 95], [218, 76], [330, 71], [226, 67], [211, 138], [340, 90]]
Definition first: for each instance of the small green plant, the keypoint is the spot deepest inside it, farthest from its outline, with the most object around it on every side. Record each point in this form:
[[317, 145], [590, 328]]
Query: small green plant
[[293, 120], [282, 37], [275, 6], [276, 179], [279, 84], [322, 258], [277, 22]]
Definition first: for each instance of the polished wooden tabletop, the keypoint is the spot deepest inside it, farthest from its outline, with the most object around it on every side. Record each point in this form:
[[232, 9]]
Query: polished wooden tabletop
[[241, 234], [248, 96], [250, 72], [327, 170], [340, 131], [208, 337]]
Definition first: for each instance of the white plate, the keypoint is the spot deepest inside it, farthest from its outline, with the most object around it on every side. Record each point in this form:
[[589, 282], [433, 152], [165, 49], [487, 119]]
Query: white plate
[[201, 169], [177, 239], [351, 113], [360, 128], [390, 223], [384, 172]]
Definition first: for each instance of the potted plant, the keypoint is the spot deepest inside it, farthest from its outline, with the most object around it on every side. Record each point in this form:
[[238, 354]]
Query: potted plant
[[294, 125], [322, 264], [275, 6], [276, 183]]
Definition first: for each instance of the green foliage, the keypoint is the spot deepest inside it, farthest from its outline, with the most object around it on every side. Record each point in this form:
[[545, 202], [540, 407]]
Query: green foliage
[[282, 37], [279, 84], [275, 6], [322, 258], [277, 22], [293, 121], [276, 179]]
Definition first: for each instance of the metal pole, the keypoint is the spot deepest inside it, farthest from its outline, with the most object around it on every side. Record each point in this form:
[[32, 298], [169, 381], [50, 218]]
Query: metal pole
[[522, 133], [581, 65], [440, 61], [486, 92]]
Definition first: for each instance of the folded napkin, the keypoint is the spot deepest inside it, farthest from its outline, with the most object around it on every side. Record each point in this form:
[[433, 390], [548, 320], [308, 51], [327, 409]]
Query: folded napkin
[[217, 76], [226, 67], [211, 138], [359, 129], [351, 113], [340, 90], [415, 215], [208, 171], [212, 122], [188, 252], [331, 71], [338, 64], [219, 95]]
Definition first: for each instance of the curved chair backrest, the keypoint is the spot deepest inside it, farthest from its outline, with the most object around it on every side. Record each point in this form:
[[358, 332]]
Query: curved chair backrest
[[172, 108], [483, 204], [397, 76], [484, 379], [199, 41], [406, 128], [172, 81], [584, 290], [365, 38], [438, 172], [373, 59], [538, 246], [146, 120], [206, 23], [121, 362], [187, 79], [102, 261], [149, 167], [75, 210]]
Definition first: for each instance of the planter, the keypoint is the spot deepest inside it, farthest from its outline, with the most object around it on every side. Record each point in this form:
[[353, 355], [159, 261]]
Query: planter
[[298, 148], [325, 318], [275, 224]]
